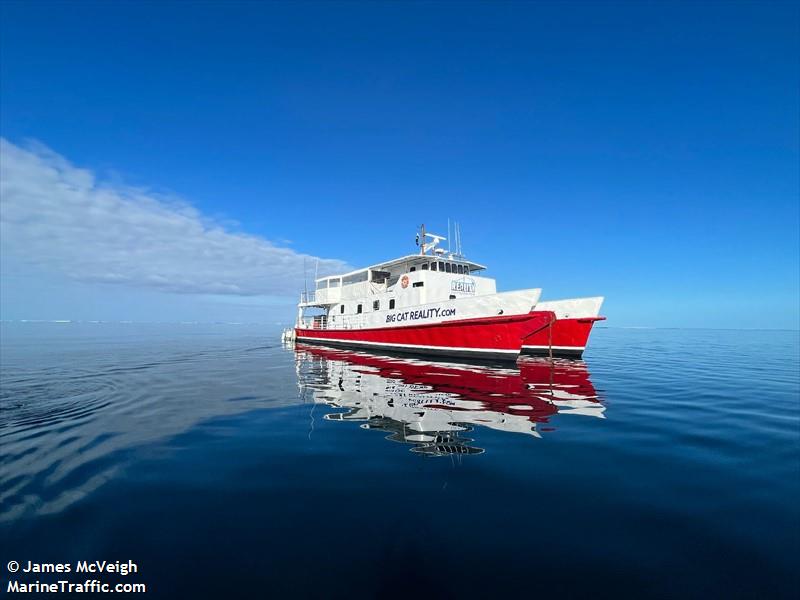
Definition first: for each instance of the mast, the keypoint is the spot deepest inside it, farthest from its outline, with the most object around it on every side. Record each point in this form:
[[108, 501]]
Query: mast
[[422, 240], [305, 277]]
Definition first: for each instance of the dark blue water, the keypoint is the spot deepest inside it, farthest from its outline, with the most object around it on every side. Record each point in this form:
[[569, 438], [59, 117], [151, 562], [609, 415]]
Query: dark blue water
[[665, 464]]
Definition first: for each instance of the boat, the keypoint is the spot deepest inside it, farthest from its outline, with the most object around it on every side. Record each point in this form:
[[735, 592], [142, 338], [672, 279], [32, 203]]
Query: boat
[[437, 302], [432, 405]]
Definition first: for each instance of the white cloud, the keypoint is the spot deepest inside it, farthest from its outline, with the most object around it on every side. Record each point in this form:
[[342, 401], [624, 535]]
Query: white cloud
[[61, 218]]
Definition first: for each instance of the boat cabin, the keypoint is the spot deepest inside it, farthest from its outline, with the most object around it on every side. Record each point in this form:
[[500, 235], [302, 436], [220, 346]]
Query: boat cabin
[[396, 284]]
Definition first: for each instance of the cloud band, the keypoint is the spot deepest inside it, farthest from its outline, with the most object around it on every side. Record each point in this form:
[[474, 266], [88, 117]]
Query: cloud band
[[60, 218]]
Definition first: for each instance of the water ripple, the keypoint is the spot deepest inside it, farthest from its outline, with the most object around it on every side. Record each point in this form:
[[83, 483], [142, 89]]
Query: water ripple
[[65, 427]]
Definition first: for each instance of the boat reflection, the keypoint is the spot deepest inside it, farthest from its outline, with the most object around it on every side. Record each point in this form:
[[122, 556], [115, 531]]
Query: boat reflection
[[433, 405]]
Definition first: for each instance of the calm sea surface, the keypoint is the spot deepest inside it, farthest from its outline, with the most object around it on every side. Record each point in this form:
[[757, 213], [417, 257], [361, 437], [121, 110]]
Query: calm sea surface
[[665, 464]]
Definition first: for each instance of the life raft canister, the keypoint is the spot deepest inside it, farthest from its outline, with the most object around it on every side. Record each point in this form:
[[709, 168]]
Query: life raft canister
[[404, 281]]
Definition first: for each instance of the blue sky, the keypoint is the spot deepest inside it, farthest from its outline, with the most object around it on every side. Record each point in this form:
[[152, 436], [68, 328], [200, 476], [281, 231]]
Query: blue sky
[[647, 152]]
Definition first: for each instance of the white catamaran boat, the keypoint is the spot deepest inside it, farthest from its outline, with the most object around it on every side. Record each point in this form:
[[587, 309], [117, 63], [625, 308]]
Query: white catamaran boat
[[438, 302]]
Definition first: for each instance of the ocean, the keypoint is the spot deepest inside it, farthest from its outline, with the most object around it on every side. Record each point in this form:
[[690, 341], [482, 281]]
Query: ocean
[[220, 462]]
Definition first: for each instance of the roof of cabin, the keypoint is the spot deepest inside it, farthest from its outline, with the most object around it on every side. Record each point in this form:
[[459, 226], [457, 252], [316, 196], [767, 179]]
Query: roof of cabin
[[410, 259]]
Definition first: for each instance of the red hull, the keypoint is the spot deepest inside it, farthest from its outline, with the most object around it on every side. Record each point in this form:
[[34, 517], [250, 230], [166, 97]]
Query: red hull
[[490, 337], [567, 337]]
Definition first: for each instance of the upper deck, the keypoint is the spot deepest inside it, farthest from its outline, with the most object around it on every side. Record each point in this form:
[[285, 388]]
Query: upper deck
[[383, 277]]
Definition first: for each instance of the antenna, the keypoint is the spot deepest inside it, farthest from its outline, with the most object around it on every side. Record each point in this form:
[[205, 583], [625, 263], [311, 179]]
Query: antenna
[[305, 277], [422, 240], [448, 235]]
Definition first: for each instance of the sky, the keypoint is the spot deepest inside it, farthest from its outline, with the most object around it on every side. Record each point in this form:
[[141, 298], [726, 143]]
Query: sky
[[197, 161]]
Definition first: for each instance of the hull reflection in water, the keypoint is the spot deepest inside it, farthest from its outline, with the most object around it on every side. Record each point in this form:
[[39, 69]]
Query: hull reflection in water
[[433, 405]]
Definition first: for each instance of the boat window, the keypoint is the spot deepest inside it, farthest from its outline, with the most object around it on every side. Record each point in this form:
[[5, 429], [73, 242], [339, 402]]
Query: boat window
[[321, 285], [425, 267], [433, 266], [341, 309], [452, 296], [441, 266], [466, 270], [380, 276], [333, 282], [391, 304], [376, 305], [355, 278], [358, 309], [418, 284], [448, 268], [412, 269], [460, 269]]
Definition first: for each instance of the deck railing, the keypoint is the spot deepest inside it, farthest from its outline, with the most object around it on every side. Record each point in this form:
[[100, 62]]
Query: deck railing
[[342, 322]]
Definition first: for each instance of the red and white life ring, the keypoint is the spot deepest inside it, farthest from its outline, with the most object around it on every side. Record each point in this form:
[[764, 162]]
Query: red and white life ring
[[404, 281]]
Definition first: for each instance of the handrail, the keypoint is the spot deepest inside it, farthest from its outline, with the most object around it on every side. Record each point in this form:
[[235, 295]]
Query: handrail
[[321, 322]]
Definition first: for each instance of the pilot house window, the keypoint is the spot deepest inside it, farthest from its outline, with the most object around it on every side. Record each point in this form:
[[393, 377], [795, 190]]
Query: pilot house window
[[376, 305], [391, 304], [425, 267]]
